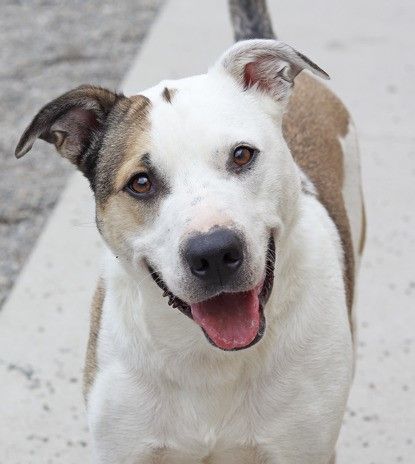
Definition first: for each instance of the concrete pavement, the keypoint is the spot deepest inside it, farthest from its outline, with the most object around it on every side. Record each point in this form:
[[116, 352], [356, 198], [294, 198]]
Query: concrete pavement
[[49, 47], [367, 49]]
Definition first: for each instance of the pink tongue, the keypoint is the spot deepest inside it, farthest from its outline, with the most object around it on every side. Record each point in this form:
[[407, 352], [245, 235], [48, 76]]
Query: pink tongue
[[231, 319]]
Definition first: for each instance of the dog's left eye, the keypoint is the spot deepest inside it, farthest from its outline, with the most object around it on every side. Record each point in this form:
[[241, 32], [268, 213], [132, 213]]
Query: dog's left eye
[[243, 155], [140, 184]]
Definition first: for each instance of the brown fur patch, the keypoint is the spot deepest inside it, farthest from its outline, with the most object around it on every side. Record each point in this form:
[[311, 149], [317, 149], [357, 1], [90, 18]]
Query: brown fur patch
[[168, 94], [127, 142], [74, 123], [121, 220], [312, 125], [132, 163], [126, 138], [95, 324], [118, 215]]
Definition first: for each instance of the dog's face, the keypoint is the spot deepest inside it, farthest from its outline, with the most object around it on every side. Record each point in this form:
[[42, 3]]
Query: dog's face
[[193, 181]]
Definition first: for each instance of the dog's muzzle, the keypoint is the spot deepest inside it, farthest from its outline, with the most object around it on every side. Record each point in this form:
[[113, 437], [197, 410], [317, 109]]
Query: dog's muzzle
[[231, 320]]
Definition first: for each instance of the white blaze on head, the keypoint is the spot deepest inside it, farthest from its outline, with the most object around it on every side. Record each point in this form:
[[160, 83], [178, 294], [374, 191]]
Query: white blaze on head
[[193, 134], [206, 218]]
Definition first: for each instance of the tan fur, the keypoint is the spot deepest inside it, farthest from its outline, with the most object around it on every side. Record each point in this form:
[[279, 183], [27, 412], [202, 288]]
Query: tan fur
[[314, 122], [122, 217], [134, 133], [117, 213], [132, 164], [126, 138], [95, 323]]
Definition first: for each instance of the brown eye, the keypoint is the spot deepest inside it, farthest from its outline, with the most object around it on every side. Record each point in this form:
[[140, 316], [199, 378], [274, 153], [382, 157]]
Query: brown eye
[[243, 155], [140, 183]]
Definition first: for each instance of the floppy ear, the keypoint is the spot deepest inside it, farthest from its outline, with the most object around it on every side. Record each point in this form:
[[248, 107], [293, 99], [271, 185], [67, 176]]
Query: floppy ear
[[269, 66], [71, 122]]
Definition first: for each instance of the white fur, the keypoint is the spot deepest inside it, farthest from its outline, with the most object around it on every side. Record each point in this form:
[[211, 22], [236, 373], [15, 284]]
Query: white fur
[[162, 392], [352, 189], [162, 386], [353, 201], [191, 146]]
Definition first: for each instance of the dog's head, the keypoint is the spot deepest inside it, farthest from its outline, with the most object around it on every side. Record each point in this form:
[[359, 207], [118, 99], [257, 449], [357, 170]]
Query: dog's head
[[193, 181]]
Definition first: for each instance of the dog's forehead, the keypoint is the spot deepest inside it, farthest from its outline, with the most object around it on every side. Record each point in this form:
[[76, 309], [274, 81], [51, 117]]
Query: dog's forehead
[[194, 117]]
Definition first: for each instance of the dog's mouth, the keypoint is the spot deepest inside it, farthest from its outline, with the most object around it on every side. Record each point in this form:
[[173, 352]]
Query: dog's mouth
[[230, 320]]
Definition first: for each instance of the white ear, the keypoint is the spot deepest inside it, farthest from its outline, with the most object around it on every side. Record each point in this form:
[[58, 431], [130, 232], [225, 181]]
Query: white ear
[[269, 66]]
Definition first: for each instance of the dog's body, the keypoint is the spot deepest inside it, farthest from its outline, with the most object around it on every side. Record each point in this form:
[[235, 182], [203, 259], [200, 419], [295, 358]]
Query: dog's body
[[157, 390]]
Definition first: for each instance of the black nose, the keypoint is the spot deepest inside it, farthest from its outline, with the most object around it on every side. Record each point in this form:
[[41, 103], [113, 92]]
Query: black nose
[[215, 256]]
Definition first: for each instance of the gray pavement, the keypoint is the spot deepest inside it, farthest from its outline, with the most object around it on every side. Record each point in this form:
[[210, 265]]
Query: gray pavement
[[367, 47], [49, 47]]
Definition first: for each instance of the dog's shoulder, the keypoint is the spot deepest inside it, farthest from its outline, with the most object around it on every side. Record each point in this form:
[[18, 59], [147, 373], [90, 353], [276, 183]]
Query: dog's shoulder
[[314, 125], [95, 324]]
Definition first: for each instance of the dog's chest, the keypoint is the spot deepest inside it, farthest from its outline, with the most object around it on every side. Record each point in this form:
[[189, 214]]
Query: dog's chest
[[215, 420], [211, 418]]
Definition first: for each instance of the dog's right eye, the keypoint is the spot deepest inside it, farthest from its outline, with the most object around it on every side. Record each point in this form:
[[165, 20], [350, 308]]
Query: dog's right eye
[[243, 155], [140, 184]]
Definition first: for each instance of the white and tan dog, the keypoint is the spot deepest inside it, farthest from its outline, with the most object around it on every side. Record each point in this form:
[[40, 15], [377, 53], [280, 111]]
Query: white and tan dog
[[231, 206]]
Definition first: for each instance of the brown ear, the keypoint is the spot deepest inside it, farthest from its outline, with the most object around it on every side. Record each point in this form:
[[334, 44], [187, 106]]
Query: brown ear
[[269, 66], [72, 122]]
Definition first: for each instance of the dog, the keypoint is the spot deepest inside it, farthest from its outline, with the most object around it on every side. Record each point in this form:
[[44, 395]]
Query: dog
[[222, 330]]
